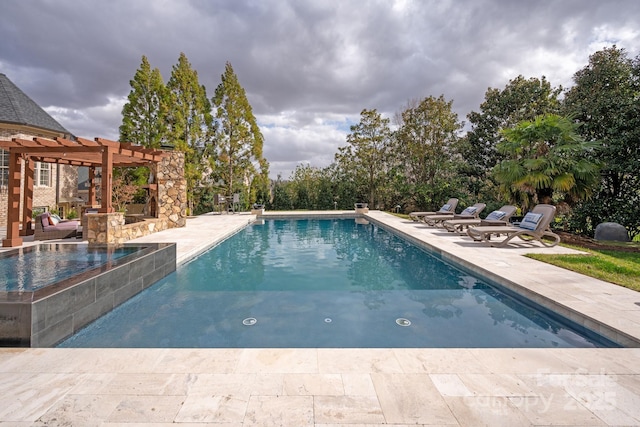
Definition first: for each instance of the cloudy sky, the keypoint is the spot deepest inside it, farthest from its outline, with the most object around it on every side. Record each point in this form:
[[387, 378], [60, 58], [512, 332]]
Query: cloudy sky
[[309, 67]]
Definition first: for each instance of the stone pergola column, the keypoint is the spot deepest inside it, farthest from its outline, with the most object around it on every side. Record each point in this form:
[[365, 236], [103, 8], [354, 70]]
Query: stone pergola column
[[172, 190]]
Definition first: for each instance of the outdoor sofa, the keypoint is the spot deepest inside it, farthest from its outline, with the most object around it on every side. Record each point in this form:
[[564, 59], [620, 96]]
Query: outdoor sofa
[[50, 227]]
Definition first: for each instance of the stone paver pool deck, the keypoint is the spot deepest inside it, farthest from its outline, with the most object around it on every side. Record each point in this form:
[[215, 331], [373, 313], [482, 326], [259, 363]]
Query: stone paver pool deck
[[331, 387]]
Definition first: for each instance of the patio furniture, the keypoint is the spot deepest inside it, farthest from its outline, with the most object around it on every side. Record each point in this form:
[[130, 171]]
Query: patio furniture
[[534, 226], [495, 218], [470, 212], [49, 227], [448, 208]]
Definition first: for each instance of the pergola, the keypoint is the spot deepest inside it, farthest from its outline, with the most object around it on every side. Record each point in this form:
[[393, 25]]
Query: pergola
[[95, 153]]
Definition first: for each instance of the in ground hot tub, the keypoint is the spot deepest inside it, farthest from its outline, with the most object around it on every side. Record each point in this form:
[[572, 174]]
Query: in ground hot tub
[[50, 291]]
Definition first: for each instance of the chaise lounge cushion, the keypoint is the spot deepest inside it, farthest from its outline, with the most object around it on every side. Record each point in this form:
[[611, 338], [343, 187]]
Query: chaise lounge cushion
[[495, 216], [530, 221], [469, 211]]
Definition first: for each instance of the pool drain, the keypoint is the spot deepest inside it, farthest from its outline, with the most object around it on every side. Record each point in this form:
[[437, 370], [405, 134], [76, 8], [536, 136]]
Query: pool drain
[[403, 322], [250, 321]]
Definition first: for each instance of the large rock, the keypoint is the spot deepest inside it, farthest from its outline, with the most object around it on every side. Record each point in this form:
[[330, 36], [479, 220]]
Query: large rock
[[611, 231]]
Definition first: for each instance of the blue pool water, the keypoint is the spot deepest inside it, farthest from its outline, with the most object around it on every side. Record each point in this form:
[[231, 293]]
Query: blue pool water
[[31, 268], [324, 283]]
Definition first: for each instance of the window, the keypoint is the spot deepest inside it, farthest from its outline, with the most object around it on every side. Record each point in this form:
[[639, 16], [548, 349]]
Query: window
[[4, 168], [42, 176]]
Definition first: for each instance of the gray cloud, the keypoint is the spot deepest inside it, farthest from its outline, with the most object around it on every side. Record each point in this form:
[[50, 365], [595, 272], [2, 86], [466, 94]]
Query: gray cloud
[[309, 68]]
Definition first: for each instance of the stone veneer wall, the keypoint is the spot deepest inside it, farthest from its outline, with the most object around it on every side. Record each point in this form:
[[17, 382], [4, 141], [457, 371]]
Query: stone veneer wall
[[172, 190], [172, 208], [111, 228], [64, 313]]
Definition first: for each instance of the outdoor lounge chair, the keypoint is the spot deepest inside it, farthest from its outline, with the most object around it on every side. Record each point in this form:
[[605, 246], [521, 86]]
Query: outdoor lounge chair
[[448, 208], [534, 226], [471, 212], [49, 227], [495, 218]]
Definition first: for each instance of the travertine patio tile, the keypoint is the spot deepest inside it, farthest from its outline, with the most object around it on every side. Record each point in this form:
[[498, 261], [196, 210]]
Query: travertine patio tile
[[631, 382], [630, 357], [212, 409], [347, 410], [357, 361], [450, 385], [212, 361], [520, 360], [411, 399], [278, 361], [602, 394], [496, 385], [358, 385], [161, 409], [485, 411], [555, 409], [80, 410], [17, 423], [238, 385], [174, 424], [149, 384], [625, 397], [439, 360], [606, 394], [313, 384], [384, 425], [35, 360], [8, 354], [279, 411], [593, 361], [81, 360], [92, 383], [32, 394]]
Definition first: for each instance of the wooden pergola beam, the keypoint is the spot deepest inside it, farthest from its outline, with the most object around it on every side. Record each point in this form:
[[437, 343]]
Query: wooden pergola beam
[[13, 202], [99, 152]]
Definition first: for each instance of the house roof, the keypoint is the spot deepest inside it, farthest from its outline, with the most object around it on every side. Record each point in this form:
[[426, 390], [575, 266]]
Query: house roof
[[17, 108]]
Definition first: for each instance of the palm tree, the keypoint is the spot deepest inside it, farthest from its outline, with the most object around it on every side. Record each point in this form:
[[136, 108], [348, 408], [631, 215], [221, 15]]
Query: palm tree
[[546, 159]]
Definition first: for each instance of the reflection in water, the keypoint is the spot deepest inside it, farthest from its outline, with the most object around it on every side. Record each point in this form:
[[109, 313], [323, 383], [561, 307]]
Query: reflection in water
[[31, 268], [293, 275]]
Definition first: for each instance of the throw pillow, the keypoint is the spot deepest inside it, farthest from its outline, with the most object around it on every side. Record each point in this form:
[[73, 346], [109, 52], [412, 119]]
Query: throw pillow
[[469, 211], [445, 208], [530, 221], [496, 215]]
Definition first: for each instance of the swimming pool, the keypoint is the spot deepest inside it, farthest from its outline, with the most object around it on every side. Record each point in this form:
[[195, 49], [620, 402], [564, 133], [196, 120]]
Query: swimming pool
[[326, 283]]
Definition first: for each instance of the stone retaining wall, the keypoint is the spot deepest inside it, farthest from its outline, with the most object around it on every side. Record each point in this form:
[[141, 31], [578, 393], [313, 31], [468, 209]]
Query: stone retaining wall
[[110, 228]]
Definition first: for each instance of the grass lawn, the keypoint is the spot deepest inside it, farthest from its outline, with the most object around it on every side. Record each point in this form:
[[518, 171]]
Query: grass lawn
[[619, 267]]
